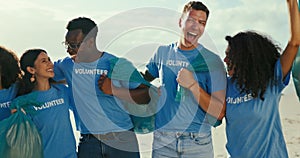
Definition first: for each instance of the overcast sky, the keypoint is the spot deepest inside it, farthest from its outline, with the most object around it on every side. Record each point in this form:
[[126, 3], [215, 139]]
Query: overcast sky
[[134, 28]]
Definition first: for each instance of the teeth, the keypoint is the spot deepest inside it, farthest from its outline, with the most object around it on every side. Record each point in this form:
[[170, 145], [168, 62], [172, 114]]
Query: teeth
[[194, 34]]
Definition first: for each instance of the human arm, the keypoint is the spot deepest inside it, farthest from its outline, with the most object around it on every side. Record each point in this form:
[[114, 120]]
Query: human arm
[[58, 71], [213, 104], [147, 76], [290, 52], [139, 95]]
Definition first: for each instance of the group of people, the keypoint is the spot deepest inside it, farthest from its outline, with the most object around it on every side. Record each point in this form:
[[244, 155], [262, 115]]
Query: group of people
[[247, 95]]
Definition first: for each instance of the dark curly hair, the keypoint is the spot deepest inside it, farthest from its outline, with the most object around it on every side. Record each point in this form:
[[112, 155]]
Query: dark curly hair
[[9, 67], [253, 57], [197, 5]]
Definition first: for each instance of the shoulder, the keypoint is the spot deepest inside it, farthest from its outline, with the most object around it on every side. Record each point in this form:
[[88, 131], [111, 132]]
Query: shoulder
[[64, 61], [164, 50], [208, 53], [168, 47], [107, 55], [59, 86], [212, 59]]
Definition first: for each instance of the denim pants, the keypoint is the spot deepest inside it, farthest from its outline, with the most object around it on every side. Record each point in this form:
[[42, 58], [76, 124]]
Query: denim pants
[[182, 145], [110, 145]]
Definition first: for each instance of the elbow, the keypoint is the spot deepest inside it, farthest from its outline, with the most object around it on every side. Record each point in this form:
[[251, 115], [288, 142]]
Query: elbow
[[143, 97], [142, 100], [222, 112]]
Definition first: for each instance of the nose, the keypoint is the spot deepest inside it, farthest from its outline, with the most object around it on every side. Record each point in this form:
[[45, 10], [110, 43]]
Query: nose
[[50, 63], [195, 25], [71, 51]]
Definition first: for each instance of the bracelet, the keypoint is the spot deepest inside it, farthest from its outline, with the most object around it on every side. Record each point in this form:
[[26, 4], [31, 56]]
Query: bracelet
[[192, 85]]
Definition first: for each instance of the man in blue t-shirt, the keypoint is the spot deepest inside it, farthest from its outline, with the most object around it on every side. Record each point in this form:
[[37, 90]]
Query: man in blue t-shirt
[[103, 121], [183, 123]]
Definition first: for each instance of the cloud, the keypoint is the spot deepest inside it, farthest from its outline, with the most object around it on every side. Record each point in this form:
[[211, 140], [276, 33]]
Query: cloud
[[269, 17]]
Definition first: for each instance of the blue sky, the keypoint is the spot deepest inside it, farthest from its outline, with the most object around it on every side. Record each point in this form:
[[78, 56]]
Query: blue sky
[[134, 28], [35, 23]]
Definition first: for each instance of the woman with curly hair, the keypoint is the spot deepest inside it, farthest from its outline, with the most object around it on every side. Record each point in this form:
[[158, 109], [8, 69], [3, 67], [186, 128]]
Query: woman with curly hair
[[257, 75], [10, 74]]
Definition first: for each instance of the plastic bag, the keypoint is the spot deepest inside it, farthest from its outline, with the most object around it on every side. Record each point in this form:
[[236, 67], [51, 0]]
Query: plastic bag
[[142, 115], [18, 134]]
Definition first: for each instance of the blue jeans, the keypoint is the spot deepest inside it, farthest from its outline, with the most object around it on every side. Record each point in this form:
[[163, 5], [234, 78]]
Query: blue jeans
[[182, 145], [111, 145]]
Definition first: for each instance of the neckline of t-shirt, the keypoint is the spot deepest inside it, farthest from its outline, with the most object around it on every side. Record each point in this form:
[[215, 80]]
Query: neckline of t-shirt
[[199, 47]]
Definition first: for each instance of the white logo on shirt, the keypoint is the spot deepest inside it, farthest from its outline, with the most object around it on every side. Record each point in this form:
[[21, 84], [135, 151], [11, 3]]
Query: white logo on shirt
[[177, 63], [5, 105], [238, 100], [50, 104], [90, 71]]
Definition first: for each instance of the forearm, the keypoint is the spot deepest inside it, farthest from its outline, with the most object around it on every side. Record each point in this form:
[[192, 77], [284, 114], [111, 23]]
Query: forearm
[[287, 59], [138, 96], [210, 104], [147, 76], [290, 52]]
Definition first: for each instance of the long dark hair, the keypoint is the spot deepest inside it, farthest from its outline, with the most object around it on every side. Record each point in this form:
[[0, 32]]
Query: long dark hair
[[253, 57], [9, 67], [28, 59]]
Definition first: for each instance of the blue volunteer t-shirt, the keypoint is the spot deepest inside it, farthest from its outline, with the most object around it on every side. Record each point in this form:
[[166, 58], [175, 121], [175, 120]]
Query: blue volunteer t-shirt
[[7, 95], [52, 119], [186, 114], [253, 126], [95, 112]]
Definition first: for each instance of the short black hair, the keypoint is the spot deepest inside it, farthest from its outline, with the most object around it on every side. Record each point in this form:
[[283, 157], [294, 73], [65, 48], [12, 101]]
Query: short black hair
[[86, 25], [197, 5]]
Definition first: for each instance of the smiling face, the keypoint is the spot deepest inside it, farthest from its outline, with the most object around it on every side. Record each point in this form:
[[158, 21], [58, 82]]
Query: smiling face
[[43, 67], [192, 26]]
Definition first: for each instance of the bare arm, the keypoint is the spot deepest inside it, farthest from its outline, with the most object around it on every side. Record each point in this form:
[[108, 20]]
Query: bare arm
[[213, 104], [290, 52], [147, 76], [140, 95]]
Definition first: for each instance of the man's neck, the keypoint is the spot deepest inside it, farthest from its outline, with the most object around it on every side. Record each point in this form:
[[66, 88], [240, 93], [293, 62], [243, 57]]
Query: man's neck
[[183, 46], [88, 57]]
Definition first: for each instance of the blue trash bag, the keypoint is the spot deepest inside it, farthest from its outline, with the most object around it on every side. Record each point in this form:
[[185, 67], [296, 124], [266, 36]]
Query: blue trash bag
[[18, 134], [142, 115]]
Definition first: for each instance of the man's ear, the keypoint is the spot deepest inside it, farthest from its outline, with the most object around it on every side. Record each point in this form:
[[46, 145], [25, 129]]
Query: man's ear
[[30, 69], [90, 41], [179, 22]]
